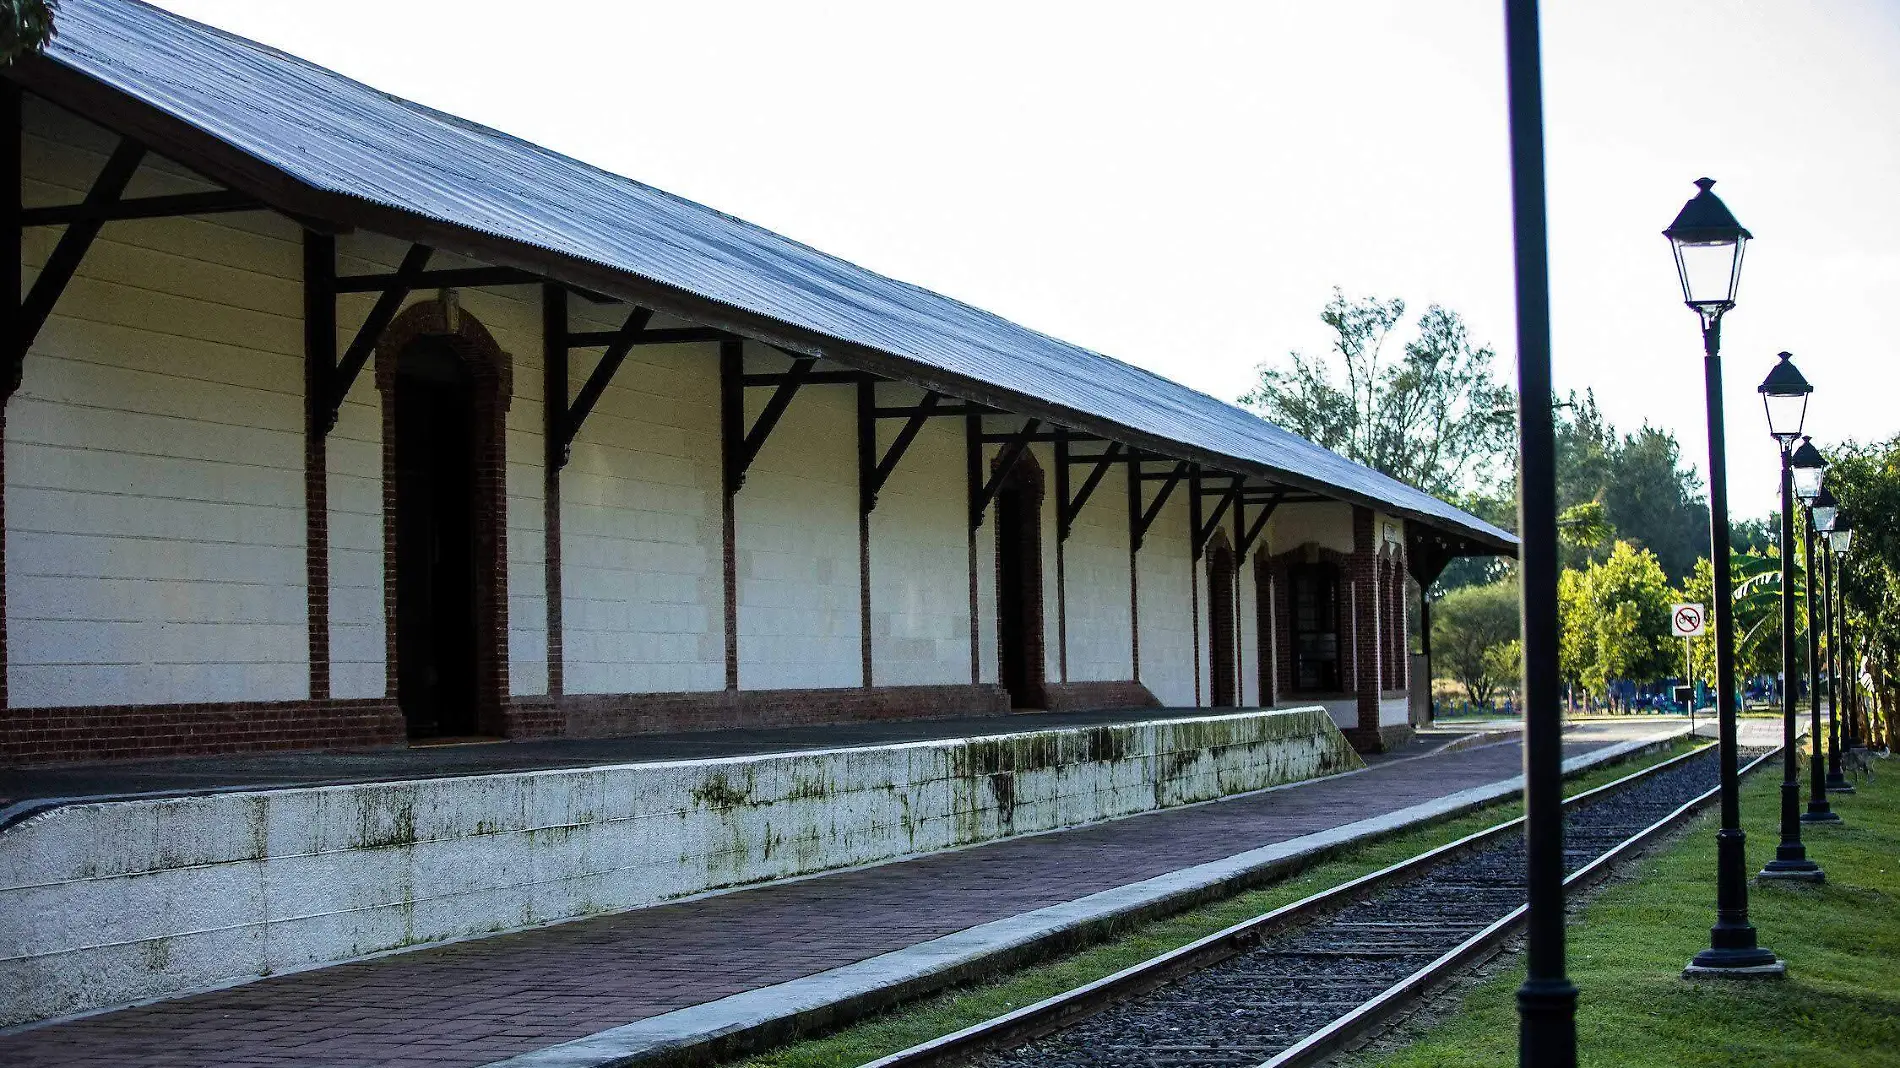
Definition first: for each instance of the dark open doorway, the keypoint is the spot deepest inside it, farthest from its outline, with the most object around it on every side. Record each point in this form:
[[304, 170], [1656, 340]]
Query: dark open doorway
[[435, 540], [1220, 622], [1019, 584]]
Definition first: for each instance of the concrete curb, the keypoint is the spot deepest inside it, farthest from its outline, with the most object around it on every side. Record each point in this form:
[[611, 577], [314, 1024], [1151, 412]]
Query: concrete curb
[[769, 1016]]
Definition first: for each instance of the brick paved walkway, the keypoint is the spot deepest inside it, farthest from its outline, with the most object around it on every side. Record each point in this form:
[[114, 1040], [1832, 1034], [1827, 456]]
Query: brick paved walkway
[[475, 1002]]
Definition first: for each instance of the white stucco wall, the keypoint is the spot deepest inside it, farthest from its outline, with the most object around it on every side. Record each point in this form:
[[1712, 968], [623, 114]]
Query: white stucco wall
[[1167, 621], [798, 543], [919, 548], [105, 903], [644, 601], [154, 519], [1101, 642]]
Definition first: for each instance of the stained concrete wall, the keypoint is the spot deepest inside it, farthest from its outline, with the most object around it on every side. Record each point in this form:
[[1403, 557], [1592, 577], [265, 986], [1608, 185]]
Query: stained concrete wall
[[106, 903]]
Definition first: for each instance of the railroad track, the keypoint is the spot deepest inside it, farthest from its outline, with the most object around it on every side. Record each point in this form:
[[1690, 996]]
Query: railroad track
[[1296, 985]]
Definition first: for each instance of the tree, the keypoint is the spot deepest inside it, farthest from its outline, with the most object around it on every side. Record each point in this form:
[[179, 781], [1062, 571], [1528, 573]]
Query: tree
[[1470, 629], [1435, 418], [1866, 479], [25, 26], [1615, 620]]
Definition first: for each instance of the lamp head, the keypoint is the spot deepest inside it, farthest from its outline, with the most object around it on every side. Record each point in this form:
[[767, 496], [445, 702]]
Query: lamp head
[[1826, 509], [1784, 396], [1708, 245], [1808, 467]]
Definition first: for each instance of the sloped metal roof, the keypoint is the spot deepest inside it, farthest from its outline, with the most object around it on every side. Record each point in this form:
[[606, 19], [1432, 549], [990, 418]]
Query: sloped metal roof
[[337, 135]]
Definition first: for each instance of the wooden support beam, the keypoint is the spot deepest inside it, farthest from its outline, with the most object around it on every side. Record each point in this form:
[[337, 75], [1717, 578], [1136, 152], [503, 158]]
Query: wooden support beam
[[372, 329], [447, 278], [602, 374], [781, 399], [672, 335], [1015, 445], [905, 411], [1045, 436], [1205, 530], [1147, 519], [876, 475], [1069, 509], [1249, 533], [64, 261], [210, 202], [554, 384], [732, 429], [810, 378]]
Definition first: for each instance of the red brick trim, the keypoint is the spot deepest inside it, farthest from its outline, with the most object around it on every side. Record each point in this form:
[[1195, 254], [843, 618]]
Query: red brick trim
[[1134, 613], [613, 715], [976, 617], [1107, 694], [1362, 571], [316, 563], [492, 371], [117, 732], [551, 580]]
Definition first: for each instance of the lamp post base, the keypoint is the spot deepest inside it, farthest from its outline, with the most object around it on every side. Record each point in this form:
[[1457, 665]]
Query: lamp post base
[[1791, 871], [1821, 815], [1840, 786], [1777, 970], [1752, 962]]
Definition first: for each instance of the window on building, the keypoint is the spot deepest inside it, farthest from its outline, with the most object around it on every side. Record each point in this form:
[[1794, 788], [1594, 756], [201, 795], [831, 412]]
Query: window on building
[[1315, 620]]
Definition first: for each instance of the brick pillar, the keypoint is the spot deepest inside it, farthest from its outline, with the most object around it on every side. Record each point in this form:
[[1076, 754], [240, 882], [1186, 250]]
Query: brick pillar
[[1364, 601]]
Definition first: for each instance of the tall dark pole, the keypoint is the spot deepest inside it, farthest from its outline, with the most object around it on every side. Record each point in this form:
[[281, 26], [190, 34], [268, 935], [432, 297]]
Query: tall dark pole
[[1819, 811], [1732, 948], [1791, 857], [1836, 782], [1547, 1001], [1850, 730]]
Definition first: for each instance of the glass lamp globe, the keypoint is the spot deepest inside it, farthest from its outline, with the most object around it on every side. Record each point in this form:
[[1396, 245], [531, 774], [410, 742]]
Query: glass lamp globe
[[1708, 245], [1808, 466]]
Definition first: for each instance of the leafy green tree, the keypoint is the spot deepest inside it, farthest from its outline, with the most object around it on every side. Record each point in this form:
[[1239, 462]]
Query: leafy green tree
[[1615, 620], [1866, 479], [1470, 629], [1435, 417], [25, 26]]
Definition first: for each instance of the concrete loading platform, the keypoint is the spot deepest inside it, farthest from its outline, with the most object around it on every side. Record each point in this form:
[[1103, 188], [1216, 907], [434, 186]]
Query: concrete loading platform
[[771, 958], [161, 880]]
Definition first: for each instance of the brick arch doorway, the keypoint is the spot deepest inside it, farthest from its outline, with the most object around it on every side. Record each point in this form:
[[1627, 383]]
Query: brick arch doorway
[[1222, 622], [445, 389], [1019, 620]]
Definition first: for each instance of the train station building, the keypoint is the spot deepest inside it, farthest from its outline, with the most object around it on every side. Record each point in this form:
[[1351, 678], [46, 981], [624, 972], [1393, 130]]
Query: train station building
[[333, 422]]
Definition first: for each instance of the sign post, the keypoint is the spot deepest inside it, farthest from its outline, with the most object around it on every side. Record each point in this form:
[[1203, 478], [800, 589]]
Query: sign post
[[1688, 621]]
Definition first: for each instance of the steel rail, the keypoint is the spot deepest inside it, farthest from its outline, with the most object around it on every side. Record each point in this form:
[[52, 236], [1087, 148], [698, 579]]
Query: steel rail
[[1060, 1011]]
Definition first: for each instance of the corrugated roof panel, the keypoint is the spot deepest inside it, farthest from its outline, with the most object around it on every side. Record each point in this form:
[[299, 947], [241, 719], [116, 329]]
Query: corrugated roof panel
[[341, 136]]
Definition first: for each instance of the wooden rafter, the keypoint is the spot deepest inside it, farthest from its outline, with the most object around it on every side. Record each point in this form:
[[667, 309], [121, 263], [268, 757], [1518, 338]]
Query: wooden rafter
[[1250, 532], [209, 202]]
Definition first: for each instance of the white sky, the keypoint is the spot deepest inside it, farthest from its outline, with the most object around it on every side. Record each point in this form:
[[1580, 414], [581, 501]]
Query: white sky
[[1181, 185]]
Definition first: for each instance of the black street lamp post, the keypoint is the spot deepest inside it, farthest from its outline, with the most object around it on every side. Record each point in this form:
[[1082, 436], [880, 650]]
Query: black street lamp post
[[1784, 396], [1708, 245], [1826, 514], [1809, 468], [1839, 539], [1547, 1000]]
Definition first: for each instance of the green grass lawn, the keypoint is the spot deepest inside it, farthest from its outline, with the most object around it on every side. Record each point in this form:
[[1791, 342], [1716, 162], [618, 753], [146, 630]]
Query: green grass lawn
[[1839, 1006], [956, 1009]]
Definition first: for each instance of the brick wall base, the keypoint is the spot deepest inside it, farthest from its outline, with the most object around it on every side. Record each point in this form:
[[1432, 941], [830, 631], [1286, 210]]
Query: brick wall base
[[610, 715], [120, 732], [1082, 696]]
